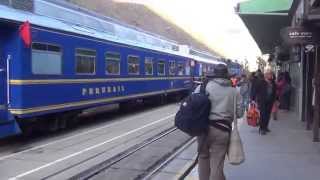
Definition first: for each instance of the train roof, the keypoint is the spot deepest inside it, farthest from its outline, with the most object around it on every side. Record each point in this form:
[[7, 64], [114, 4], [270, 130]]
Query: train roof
[[51, 15], [11, 14]]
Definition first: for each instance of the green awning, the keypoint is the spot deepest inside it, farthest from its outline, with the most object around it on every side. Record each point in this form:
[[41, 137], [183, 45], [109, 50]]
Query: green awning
[[264, 20], [265, 29], [265, 6]]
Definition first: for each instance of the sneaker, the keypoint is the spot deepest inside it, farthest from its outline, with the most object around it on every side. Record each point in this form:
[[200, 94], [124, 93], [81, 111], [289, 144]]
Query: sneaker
[[263, 132]]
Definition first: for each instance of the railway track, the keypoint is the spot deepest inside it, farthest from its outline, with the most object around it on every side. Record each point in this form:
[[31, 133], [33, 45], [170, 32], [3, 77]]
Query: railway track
[[88, 121], [185, 173], [64, 157], [101, 170]]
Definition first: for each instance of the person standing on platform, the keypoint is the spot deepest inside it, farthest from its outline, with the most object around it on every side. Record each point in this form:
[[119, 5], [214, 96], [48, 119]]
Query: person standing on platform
[[213, 147], [279, 89], [252, 85], [244, 91], [265, 96], [285, 95]]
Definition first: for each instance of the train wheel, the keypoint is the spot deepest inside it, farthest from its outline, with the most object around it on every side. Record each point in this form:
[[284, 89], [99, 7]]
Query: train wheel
[[124, 106], [53, 124], [27, 130], [63, 122], [163, 99], [27, 126], [72, 119], [72, 122]]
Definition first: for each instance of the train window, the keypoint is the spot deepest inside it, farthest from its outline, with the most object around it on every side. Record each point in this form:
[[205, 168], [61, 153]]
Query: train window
[[172, 68], [85, 61], [46, 59], [180, 69], [148, 66], [204, 69], [188, 69], [161, 68], [39, 46], [133, 65], [112, 63]]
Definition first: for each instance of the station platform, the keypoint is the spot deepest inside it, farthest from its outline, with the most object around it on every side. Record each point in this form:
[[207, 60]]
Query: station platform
[[286, 153]]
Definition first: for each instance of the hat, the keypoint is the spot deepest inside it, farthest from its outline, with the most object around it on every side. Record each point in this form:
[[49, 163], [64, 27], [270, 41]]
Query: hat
[[220, 71]]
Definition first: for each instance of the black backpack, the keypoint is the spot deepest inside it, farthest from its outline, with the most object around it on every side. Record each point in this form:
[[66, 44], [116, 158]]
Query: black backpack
[[193, 115]]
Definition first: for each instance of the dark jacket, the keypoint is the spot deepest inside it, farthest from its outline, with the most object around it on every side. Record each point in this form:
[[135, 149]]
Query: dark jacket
[[253, 88], [261, 93]]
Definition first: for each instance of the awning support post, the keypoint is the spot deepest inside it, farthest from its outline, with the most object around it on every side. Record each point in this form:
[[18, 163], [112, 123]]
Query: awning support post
[[317, 105]]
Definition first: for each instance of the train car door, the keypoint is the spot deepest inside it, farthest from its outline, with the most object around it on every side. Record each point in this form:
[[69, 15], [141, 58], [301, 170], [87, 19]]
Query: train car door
[[8, 124], [3, 87]]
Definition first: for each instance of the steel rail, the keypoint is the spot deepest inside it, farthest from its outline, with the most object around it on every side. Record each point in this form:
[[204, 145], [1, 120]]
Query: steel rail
[[87, 174], [169, 159]]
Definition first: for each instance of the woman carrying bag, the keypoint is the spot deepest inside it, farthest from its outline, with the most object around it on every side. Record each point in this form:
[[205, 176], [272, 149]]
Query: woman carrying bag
[[226, 106]]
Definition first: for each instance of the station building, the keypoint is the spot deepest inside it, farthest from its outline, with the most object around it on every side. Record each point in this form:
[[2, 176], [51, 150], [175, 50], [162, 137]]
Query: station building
[[288, 30]]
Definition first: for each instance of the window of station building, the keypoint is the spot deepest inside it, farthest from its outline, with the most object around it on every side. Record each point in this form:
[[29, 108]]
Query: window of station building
[[180, 69], [85, 61], [112, 63], [172, 68], [46, 59], [133, 65], [148, 66], [161, 68]]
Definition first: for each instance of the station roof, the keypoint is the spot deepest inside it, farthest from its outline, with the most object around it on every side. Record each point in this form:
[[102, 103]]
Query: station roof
[[264, 19]]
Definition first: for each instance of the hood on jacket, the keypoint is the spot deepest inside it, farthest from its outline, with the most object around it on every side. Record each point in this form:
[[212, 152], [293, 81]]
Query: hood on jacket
[[222, 81]]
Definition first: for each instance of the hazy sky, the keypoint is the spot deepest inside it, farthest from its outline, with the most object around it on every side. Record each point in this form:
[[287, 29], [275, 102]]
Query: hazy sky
[[213, 22]]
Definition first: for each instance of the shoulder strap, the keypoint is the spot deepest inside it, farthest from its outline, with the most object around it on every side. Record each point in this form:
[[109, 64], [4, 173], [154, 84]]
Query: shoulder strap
[[203, 87], [235, 120]]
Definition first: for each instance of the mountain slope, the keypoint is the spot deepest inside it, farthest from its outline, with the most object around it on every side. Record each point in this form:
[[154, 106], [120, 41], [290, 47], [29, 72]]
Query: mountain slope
[[140, 16]]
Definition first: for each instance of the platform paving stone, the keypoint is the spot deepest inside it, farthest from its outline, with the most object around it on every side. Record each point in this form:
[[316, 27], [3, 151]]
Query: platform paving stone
[[190, 153], [175, 166], [165, 176], [287, 153], [14, 166], [117, 174]]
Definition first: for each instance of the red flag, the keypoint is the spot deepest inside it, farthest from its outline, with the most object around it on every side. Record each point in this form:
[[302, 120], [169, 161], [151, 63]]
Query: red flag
[[25, 33]]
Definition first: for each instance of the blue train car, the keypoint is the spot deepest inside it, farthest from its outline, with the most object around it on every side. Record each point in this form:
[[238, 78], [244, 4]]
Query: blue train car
[[67, 68], [235, 69]]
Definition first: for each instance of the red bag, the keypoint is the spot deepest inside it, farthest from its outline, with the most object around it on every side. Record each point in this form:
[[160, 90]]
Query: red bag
[[253, 115]]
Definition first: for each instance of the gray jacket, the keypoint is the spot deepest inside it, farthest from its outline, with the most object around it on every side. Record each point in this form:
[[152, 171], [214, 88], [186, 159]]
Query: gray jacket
[[222, 95]]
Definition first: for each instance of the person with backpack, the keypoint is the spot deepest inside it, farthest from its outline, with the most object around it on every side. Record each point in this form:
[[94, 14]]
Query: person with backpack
[[213, 145]]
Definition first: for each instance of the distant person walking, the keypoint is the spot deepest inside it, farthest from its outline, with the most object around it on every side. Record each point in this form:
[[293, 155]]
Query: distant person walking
[[279, 89], [253, 80], [244, 91], [285, 93], [265, 97], [212, 147]]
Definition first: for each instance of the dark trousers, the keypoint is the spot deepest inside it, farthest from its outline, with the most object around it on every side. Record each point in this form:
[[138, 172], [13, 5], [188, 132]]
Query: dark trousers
[[265, 113]]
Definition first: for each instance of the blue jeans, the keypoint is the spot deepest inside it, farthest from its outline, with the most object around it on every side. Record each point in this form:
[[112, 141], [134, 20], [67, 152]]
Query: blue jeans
[[245, 102]]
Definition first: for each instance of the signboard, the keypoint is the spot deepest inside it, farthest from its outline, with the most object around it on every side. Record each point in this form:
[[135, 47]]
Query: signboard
[[298, 35], [309, 48]]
